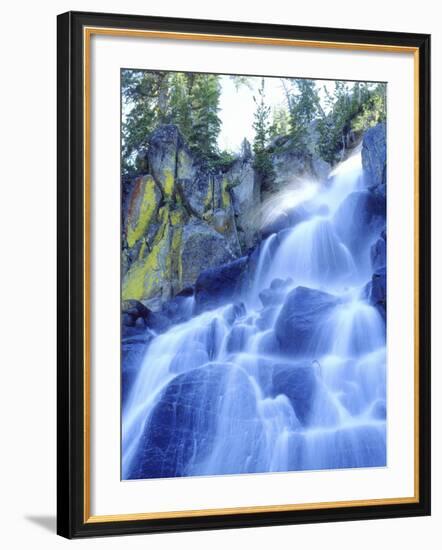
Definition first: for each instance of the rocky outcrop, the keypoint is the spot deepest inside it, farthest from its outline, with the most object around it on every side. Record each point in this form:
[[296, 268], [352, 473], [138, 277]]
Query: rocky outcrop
[[290, 165], [374, 162], [374, 159], [178, 220], [246, 197], [181, 218]]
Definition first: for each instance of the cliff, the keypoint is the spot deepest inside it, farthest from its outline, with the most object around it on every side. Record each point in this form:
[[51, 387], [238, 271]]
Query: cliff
[[180, 218]]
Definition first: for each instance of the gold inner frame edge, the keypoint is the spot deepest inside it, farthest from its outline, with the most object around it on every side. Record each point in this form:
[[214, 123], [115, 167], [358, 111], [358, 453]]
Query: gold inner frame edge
[[134, 33]]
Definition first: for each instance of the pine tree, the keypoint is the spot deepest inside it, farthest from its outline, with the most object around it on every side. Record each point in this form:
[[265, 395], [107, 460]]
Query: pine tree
[[303, 106], [280, 122], [206, 124], [261, 124]]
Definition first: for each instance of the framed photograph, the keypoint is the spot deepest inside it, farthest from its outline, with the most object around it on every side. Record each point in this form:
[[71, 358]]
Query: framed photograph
[[243, 274]]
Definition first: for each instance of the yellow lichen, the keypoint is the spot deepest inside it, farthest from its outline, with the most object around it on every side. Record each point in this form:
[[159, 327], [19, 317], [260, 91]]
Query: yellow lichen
[[225, 195], [144, 277], [169, 183], [175, 252], [148, 205], [209, 197], [176, 216]]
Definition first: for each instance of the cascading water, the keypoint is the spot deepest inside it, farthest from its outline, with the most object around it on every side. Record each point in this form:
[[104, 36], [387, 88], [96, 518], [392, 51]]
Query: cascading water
[[290, 377]]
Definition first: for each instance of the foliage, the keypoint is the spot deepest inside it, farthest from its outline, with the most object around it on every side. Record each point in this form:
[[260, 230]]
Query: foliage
[[303, 106], [372, 110], [189, 100], [346, 111], [205, 123], [280, 122]]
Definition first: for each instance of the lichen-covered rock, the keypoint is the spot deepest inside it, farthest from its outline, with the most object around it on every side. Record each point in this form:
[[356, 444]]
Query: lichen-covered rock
[[149, 274], [143, 205], [202, 248], [374, 159], [164, 144]]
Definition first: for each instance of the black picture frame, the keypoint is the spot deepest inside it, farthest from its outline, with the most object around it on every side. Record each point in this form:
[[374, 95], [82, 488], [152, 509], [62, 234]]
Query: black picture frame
[[72, 517]]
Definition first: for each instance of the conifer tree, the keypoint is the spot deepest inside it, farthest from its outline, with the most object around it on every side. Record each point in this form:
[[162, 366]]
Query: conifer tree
[[261, 125]]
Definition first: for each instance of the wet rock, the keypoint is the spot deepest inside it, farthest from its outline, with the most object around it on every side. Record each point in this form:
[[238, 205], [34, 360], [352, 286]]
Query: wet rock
[[275, 294], [188, 360], [238, 338], [374, 159], [379, 410], [267, 317], [378, 251], [280, 222], [219, 285], [299, 383], [234, 312], [132, 311], [178, 309], [378, 290], [302, 314], [137, 316], [133, 349], [183, 426], [359, 218]]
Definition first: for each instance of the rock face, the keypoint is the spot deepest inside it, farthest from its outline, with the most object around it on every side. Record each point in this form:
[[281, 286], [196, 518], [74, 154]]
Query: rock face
[[374, 162], [178, 220], [291, 165], [246, 198], [366, 211], [374, 158], [219, 285], [303, 312]]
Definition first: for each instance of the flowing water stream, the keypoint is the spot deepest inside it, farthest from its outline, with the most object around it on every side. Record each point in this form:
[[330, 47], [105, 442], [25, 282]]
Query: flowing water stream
[[218, 395]]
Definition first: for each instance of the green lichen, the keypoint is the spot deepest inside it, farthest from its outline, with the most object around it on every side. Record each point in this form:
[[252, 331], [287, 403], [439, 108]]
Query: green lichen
[[148, 206]]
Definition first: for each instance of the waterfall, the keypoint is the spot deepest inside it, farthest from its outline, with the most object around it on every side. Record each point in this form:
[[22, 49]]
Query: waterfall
[[293, 379]]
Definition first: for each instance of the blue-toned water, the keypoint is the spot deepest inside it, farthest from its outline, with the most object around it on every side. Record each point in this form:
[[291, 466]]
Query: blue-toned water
[[290, 377]]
